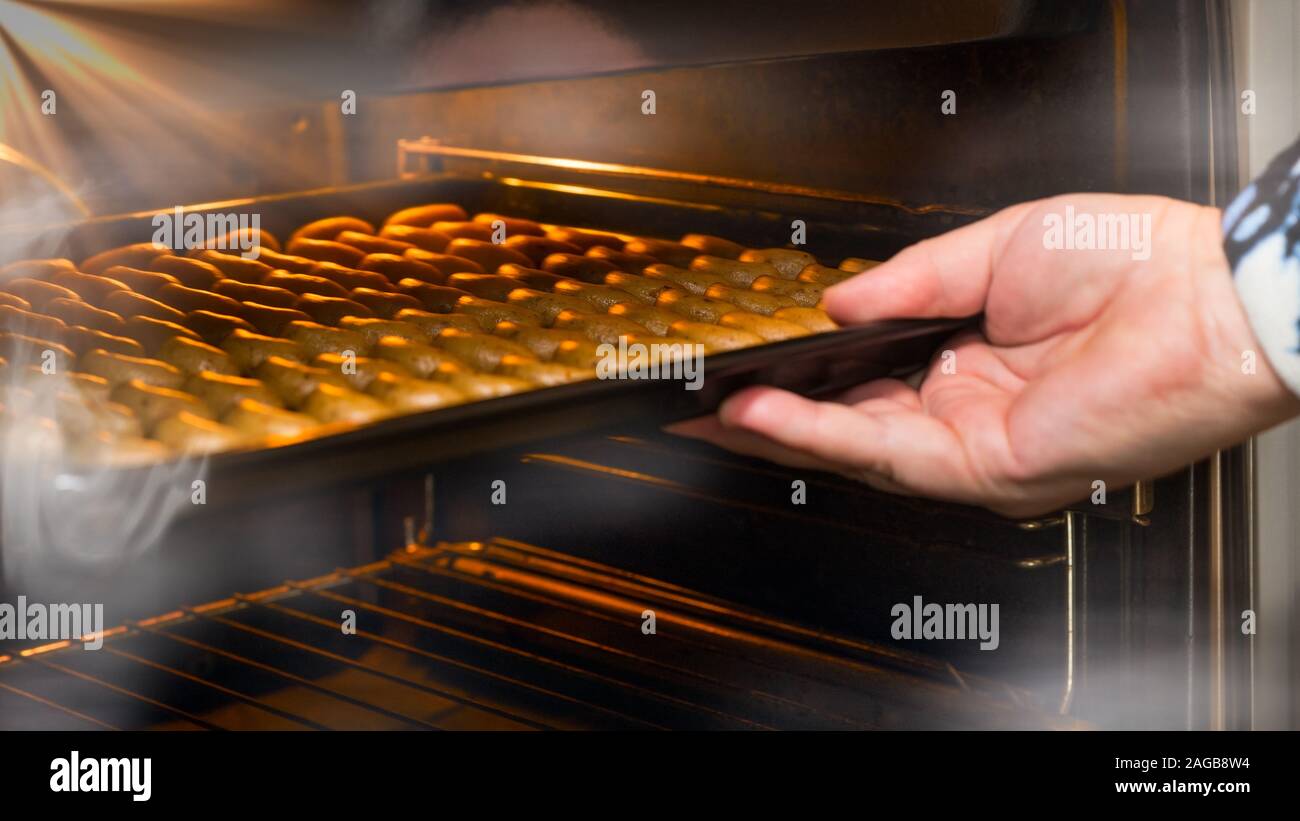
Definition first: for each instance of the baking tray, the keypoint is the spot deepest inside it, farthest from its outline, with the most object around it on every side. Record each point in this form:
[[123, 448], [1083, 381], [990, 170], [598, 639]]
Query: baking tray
[[816, 365]]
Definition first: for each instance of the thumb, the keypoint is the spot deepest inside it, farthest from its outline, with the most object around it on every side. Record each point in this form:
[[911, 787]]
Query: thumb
[[945, 276]]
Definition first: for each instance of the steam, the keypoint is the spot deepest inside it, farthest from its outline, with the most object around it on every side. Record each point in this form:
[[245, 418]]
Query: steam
[[67, 501]]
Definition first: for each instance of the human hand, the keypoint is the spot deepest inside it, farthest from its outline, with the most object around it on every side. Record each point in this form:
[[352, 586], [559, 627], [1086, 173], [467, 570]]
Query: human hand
[[1091, 365]]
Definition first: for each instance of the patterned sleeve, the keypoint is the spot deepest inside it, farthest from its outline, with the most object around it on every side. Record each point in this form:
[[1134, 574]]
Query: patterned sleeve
[[1261, 230]]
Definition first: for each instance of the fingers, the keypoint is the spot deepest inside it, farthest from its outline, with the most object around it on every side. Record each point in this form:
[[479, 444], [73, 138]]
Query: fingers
[[946, 276], [710, 429], [903, 447], [883, 392]]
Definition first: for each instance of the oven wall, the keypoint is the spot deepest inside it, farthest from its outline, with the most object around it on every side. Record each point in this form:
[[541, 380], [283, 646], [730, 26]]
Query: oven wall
[[1268, 63]]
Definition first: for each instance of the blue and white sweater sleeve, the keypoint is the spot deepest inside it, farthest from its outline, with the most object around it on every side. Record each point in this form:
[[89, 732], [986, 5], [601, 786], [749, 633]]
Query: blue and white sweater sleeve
[[1261, 230]]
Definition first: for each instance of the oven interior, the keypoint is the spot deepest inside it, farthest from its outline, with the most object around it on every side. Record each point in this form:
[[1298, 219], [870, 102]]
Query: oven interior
[[473, 613]]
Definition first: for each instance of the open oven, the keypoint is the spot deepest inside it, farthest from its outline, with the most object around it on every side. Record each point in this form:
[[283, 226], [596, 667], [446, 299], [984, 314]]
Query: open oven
[[554, 558]]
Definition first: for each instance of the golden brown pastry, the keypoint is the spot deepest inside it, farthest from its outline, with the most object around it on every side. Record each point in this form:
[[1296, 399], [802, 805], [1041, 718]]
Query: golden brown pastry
[[192, 273], [21, 350], [477, 386], [715, 337], [432, 323], [805, 294], [514, 225], [545, 305], [351, 278], [332, 404], [214, 328], [152, 333], [599, 297], [186, 299], [577, 353], [539, 248], [857, 264], [814, 319], [325, 250], [151, 403], [331, 310], [30, 323], [584, 239], [655, 320], [318, 339], [697, 308], [480, 351], [673, 253], [463, 229], [192, 356], [695, 282], [385, 304], [417, 357], [128, 304], [484, 286], [713, 246], [93, 289], [142, 282], [35, 268], [645, 289], [248, 350], [425, 238], [305, 284], [821, 275], [425, 215], [395, 268], [38, 294], [629, 263], [187, 432], [579, 267], [739, 273], [269, 320], [752, 301], [541, 374], [787, 261], [250, 292], [486, 254], [360, 371], [446, 263], [599, 327], [132, 256], [76, 312], [370, 244], [12, 301], [119, 369], [330, 227], [374, 329], [489, 313], [235, 266], [771, 329], [436, 298], [286, 262], [293, 381], [534, 278], [541, 342], [82, 340], [405, 394], [253, 419], [221, 391]]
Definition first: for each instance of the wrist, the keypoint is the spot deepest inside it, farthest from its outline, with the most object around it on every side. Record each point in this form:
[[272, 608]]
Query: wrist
[[1252, 325]]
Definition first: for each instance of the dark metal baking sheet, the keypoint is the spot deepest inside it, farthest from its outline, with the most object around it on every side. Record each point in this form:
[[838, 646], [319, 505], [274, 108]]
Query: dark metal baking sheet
[[815, 365]]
